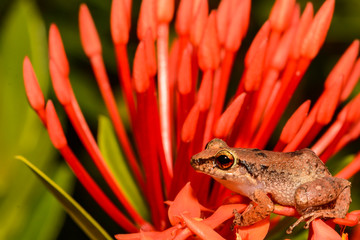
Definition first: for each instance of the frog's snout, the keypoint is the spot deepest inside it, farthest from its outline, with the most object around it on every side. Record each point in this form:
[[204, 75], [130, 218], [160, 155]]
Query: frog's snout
[[195, 163]]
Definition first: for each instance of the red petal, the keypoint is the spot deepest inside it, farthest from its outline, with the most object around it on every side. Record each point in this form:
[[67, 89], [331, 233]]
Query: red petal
[[209, 49], [223, 19], [238, 25], [232, 22], [57, 51], [131, 236], [119, 22], [280, 57], [140, 70], [254, 72], [281, 14], [185, 202], [54, 126], [352, 81], [60, 84], [198, 21], [228, 118], [256, 231], [223, 213], [200, 229], [246, 5], [345, 64], [169, 233], [184, 74], [189, 127], [316, 34], [285, 211], [88, 34], [184, 17], [205, 91], [328, 137], [32, 88], [350, 220], [147, 19], [260, 37], [295, 122], [329, 102], [143, 236], [150, 53], [165, 10], [305, 21], [323, 231], [353, 114]]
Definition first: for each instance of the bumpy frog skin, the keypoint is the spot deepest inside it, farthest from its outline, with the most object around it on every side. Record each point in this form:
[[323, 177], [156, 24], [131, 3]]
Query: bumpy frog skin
[[299, 179]]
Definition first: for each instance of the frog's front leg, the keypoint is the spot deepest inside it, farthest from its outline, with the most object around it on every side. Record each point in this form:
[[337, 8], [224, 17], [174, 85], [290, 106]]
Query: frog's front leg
[[327, 197], [260, 209]]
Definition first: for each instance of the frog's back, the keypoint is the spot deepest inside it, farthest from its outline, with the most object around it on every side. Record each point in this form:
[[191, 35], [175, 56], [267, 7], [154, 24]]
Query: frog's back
[[282, 173], [302, 164]]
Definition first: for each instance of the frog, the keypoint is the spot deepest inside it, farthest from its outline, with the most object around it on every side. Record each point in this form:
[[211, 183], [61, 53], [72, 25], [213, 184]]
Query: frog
[[297, 179]]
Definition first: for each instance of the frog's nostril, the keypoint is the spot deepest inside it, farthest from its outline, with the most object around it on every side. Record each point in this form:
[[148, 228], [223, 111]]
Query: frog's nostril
[[194, 162]]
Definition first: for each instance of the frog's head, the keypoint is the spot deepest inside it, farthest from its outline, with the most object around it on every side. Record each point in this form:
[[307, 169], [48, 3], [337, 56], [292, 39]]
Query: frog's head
[[223, 164], [217, 160]]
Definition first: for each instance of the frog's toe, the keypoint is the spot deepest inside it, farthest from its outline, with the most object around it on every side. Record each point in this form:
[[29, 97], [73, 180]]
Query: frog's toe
[[235, 212], [289, 230], [233, 226], [307, 224], [237, 217], [310, 216]]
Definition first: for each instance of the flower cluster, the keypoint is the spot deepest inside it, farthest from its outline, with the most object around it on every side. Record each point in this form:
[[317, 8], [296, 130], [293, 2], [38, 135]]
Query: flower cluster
[[176, 102]]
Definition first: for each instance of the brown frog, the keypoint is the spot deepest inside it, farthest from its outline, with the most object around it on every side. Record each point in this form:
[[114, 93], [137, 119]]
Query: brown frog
[[299, 179]]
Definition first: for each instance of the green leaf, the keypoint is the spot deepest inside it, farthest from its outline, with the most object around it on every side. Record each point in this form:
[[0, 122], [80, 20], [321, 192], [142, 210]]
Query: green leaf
[[22, 33], [76, 212], [109, 147], [338, 162], [46, 209]]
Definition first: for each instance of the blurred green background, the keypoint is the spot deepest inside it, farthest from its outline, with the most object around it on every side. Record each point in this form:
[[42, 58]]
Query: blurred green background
[[27, 210]]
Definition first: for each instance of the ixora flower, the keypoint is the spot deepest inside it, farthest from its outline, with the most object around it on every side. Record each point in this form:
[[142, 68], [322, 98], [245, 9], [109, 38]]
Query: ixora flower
[[176, 102]]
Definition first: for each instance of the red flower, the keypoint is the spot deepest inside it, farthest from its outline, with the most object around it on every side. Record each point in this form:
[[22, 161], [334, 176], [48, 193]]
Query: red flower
[[173, 115]]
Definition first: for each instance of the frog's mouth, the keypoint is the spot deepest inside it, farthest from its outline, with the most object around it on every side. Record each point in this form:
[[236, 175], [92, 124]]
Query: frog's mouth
[[206, 166], [209, 167], [195, 163]]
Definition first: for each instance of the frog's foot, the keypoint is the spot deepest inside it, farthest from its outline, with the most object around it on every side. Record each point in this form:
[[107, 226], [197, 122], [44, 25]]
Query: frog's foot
[[237, 219], [311, 217], [241, 220], [290, 229]]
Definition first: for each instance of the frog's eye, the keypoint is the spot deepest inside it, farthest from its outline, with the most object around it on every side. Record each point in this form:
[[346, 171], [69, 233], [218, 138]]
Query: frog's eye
[[224, 160]]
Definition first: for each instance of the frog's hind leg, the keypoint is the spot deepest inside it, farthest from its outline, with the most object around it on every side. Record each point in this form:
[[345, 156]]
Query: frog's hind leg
[[323, 198], [336, 209]]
